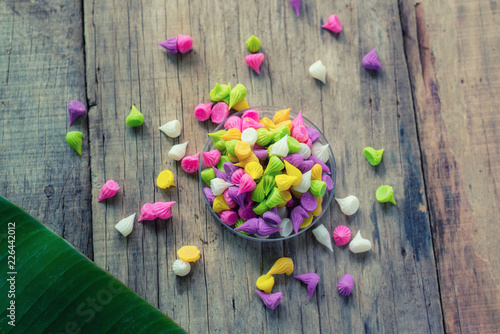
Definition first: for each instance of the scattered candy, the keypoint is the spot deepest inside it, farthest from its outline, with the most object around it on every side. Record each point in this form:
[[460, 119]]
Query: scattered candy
[[370, 61], [237, 94], [172, 129], [360, 244], [220, 112], [134, 118], [346, 284], [311, 279], [170, 45], [181, 267], [373, 156], [265, 283], [191, 163], [254, 61], [283, 265], [385, 194], [184, 43], [296, 6], [323, 236], [108, 190], [188, 253], [147, 212], [349, 205], [165, 179], [333, 24], [271, 300], [74, 140], [341, 235], [253, 44], [178, 151], [220, 92], [322, 152], [203, 111], [126, 225], [75, 110], [286, 227], [162, 209], [318, 71]]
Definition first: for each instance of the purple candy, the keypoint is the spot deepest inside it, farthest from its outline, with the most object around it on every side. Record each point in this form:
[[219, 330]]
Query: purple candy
[[328, 181], [297, 215], [75, 110], [170, 45], [324, 167], [296, 6], [249, 199], [290, 203], [294, 159], [305, 166], [311, 279], [210, 195], [271, 300], [370, 61], [251, 226], [239, 199], [261, 154], [346, 284], [272, 217], [230, 168], [314, 134], [308, 202], [246, 212], [221, 175], [265, 229]]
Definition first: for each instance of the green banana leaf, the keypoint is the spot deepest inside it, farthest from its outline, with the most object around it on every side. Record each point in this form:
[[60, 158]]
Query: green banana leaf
[[58, 290]]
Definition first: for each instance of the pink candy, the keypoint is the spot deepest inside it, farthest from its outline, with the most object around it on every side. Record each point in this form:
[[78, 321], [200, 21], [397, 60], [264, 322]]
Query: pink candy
[[341, 235], [300, 133], [298, 121], [147, 212], [157, 210], [184, 43], [220, 112], [311, 279], [229, 200], [371, 62], [211, 158], [250, 123], [237, 175], [271, 300], [254, 61], [229, 217], [333, 24], [191, 163], [203, 111], [233, 122], [247, 184], [253, 114], [108, 190]]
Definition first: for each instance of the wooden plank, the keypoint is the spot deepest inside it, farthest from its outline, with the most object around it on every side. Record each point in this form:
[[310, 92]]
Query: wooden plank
[[396, 284], [41, 71], [455, 74]]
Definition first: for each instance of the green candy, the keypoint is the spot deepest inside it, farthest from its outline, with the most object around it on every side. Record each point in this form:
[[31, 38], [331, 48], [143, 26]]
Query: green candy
[[253, 44], [220, 92], [385, 194], [223, 159], [293, 145], [280, 132], [318, 188], [264, 136], [259, 194], [240, 222], [274, 198], [230, 146], [373, 156], [237, 95], [134, 118], [275, 166], [269, 183], [260, 209], [207, 175], [74, 140]]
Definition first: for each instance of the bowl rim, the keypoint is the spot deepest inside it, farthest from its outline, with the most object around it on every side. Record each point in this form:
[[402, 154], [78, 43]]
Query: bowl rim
[[333, 176]]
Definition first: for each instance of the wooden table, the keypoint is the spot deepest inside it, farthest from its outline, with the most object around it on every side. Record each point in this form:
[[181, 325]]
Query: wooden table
[[434, 107]]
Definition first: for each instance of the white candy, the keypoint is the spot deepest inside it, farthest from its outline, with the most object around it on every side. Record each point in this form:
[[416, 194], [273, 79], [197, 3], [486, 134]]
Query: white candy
[[286, 227], [126, 225], [360, 244], [172, 128], [283, 212], [305, 184], [280, 148], [321, 152], [218, 186], [177, 152], [318, 71], [304, 151], [348, 205], [249, 136], [181, 268], [323, 236]]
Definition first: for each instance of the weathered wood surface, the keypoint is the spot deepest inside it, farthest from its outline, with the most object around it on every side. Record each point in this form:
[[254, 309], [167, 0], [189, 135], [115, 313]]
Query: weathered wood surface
[[453, 58], [396, 284], [42, 69]]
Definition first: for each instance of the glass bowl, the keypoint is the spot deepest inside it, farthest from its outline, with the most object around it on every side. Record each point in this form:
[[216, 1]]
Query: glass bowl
[[268, 111]]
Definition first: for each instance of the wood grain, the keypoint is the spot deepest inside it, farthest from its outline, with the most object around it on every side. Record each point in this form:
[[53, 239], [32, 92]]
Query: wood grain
[[452, 51], [396, 285], [41, 71]]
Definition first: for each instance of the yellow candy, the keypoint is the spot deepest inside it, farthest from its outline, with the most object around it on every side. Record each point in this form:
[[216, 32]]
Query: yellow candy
[[293, 171], [242, 150], [265, 283], [232, 158], [242, 105], [268, 124], [188, 253], [295, 193], [287, 123], [306, 222], [283, 265], [251, 158], [232, 134], [165, 179], [254, 169], [316, 171], [284, 182], [281, 115], [220, 204], [286, 195], [319, 208]]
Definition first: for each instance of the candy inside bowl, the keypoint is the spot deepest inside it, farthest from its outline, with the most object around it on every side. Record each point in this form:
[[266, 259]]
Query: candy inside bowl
[[255, 186]]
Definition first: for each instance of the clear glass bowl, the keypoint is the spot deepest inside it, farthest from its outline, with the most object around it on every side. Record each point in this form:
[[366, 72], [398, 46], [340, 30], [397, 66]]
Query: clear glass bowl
[[267, 111]]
